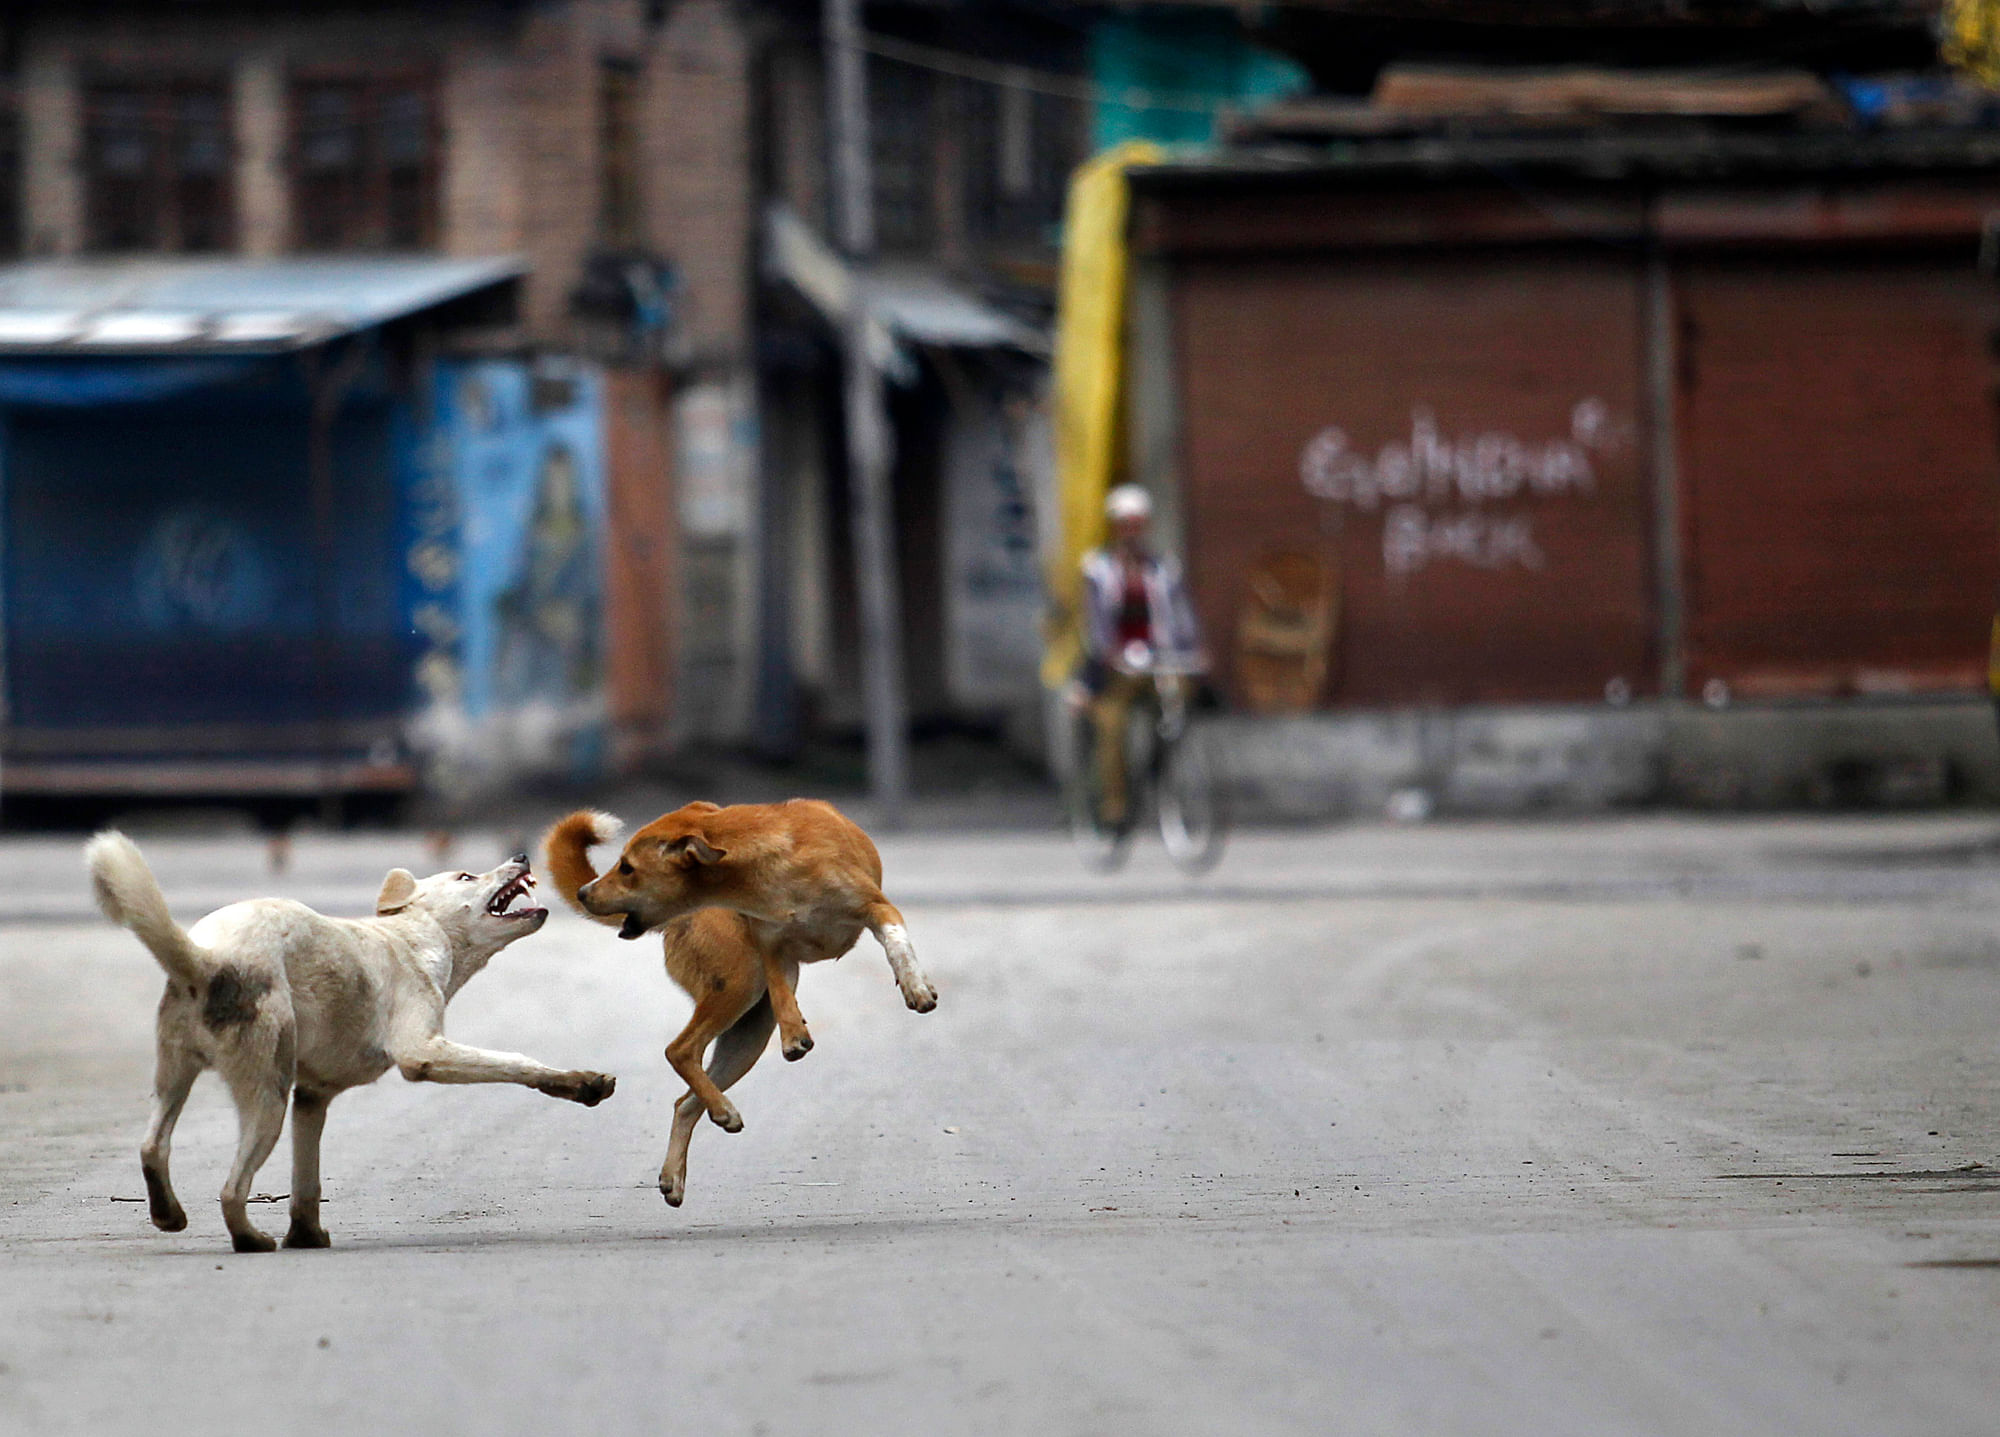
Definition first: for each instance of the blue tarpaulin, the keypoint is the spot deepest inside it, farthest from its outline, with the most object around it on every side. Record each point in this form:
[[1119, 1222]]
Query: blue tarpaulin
[[83, 383]]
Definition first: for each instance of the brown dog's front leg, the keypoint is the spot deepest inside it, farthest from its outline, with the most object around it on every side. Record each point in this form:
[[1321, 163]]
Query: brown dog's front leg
[[714, 1012], [779, 978]]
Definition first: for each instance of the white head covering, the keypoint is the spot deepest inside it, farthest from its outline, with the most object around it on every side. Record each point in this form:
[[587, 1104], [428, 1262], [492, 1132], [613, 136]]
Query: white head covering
[[1128, 501]]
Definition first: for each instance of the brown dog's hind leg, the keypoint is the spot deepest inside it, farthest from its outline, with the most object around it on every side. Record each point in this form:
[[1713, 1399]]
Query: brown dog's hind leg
[[174, 1072], [886, 923], [736, 1053]]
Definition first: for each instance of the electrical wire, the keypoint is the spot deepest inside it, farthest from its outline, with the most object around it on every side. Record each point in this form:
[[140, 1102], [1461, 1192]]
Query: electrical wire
[[1039, 82]]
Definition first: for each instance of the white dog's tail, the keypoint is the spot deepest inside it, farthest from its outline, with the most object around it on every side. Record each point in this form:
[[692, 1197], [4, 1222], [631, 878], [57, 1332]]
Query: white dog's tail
[[130, 897]]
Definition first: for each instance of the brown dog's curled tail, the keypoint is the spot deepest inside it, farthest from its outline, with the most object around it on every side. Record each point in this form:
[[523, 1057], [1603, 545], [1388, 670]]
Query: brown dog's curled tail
[[568, 844]]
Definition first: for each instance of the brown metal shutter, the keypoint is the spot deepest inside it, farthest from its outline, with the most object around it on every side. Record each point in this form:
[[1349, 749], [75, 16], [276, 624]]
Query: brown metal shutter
[[1842, 498], [1524, 572]]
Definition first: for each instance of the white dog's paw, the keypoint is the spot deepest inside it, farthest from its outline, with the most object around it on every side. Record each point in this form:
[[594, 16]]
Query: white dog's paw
[[307, 1235], [590, 1089], [919, 994], [248, 1239]]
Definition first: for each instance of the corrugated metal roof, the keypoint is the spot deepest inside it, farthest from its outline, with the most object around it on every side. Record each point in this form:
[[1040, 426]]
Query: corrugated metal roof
[[927, 309], [131, 306], [911, 302]]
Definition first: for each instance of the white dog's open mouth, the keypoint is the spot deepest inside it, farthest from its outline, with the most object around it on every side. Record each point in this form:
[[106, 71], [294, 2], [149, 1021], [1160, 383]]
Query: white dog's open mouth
[[512, 900]]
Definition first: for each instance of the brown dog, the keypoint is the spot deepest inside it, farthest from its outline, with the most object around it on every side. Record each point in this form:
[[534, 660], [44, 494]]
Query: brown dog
[[744, 895]]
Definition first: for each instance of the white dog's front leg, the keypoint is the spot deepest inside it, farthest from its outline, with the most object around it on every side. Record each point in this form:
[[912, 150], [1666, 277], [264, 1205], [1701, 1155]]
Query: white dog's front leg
[[439, 1060]]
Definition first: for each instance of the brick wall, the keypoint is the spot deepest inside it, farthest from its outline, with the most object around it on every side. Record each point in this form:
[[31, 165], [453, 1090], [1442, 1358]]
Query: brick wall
[[697, 201], [484, 198], [555, 104], [518, 96]]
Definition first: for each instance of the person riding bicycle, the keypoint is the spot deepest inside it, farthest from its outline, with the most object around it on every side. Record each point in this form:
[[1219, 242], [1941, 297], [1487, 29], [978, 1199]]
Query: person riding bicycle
[[1138, 630]]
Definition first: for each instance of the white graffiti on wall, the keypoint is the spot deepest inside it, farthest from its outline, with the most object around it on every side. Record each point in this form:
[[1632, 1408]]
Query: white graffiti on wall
[[1412, 538], [1431, 470]]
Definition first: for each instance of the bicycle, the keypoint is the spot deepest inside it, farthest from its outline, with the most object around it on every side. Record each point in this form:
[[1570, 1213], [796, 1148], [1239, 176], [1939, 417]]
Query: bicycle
[[1171, 766]]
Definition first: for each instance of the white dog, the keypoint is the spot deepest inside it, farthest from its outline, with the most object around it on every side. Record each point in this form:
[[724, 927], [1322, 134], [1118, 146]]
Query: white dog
[[286, 1002]]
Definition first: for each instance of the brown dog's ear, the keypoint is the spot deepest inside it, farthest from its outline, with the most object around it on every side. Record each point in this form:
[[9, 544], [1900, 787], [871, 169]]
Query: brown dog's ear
[[690, 849], [397, 891]]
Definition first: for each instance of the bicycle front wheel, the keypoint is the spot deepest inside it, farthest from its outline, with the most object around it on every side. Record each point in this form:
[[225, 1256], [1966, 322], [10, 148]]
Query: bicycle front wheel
[[1193, 804], [1102, 847]]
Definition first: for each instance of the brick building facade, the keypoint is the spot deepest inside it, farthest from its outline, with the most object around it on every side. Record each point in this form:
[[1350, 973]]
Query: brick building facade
[[594, 140], [585, 138], [504, 106]]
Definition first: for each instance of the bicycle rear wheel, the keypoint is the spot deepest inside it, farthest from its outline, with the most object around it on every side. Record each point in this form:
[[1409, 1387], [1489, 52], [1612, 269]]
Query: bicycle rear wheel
[[1193, 802]]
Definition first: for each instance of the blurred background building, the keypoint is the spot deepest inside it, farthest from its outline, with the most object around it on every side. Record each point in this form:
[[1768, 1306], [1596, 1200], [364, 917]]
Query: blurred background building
[[1565, 402]]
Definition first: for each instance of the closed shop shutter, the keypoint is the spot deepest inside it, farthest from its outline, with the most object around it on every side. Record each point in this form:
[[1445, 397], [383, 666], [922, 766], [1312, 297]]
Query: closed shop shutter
[[1455, 437], [1842, 498]]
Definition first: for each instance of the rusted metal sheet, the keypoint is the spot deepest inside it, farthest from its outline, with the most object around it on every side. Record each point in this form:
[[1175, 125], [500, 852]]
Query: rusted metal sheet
[[639, 564], [1263, 221], [1841, 496], [1584, 94], [1457, 435], [1828, 213]]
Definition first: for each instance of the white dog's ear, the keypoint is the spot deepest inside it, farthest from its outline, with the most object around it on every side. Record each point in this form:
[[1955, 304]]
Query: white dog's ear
[[397, 891]]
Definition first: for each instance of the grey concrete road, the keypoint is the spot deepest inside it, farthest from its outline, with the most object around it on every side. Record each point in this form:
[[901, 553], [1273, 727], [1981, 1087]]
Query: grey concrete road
[[1626, 1127]]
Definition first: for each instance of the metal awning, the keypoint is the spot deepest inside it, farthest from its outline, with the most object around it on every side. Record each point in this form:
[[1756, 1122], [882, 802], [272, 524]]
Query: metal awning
[[234, 306], [911, 304]]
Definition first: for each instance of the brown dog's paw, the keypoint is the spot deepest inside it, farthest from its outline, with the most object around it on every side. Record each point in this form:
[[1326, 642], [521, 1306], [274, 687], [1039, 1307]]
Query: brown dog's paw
[[729, 1120], [673, 1190], [302, 1235], [248, 1239], [798, 1048]]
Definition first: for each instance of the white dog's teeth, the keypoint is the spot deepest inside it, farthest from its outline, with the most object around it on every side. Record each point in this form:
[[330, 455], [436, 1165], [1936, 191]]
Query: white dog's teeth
[[503, 900]]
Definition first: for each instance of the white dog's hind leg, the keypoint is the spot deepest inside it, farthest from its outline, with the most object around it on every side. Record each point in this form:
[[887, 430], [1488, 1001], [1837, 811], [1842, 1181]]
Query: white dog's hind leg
[[260, 1114], [308, 1123], [174, 1072], [886, 923], [735, 1053], [439, 1060]]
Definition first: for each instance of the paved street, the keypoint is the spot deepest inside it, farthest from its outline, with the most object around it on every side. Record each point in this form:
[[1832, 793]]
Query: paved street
[[1635, 1126]]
